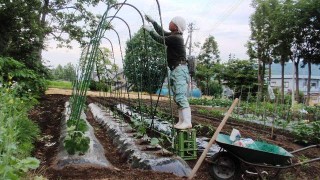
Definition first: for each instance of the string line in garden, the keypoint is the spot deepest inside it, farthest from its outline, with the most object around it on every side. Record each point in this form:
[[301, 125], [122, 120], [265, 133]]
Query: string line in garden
[[168, 75], [114, 62], [130, 37], [117, 90], [124, 3]]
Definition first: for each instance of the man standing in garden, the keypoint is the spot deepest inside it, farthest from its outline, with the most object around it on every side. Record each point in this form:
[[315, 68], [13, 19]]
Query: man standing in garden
[[176, 59]]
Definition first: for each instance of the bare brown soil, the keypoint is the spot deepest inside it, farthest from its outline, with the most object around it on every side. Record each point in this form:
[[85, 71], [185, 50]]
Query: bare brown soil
[[48, 115]]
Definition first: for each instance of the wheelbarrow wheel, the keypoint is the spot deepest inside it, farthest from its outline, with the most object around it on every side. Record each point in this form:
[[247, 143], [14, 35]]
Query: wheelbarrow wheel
[[224, 166]]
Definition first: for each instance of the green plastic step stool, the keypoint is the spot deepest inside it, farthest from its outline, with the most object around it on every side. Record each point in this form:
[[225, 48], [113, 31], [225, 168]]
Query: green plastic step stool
[[185, 144]]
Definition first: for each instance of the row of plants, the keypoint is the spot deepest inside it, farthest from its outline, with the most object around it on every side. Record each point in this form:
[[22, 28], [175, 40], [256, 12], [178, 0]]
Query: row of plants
[[307, 133], [17, 134], [291, 119], [202, 129], [221, 102], [19, 88], [144, 129], [265, 108], [76, 141]]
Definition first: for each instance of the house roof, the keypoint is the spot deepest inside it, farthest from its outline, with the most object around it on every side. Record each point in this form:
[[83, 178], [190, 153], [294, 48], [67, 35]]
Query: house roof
[[276, 69]]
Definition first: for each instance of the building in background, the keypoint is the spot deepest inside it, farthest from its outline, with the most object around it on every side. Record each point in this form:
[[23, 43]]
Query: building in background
[[289, 82]]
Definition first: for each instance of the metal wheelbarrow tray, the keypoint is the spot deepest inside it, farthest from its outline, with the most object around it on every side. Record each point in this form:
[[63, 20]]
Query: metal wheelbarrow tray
[[226, 163]]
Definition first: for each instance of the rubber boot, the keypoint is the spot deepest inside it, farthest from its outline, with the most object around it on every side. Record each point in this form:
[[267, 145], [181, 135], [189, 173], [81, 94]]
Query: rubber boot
[[180, 118], [186, 115]]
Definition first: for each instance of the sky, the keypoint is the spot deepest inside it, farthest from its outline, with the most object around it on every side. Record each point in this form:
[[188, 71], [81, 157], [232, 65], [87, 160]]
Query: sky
[[226, 20]]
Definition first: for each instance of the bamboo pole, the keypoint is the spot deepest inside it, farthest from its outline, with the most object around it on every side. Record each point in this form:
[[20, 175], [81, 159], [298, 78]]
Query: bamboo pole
[[213, 139]]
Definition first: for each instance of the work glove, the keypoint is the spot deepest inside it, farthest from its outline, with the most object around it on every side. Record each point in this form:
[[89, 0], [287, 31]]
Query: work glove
[[148, 27], [148, 18]]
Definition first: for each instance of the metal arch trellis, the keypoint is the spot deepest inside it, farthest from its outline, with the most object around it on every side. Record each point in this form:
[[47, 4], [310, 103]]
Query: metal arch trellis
[[120, 53], [105, 68], [141, 16], [152, 111], [139, 100], [89, 56], [124, 22], [129, 30], [114, 59]]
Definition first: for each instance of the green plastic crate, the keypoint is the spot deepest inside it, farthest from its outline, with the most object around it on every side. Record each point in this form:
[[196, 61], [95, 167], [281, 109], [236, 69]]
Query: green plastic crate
[[185, 144]]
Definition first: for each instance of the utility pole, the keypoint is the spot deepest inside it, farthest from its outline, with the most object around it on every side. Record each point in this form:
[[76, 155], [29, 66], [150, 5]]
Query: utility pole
[[190, 30], [190, 34], [191, 60]]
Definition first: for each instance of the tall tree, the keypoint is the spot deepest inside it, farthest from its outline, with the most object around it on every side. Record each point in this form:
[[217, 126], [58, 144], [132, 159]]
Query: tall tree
[[208, 57], [103, 63], [240, 75], [283, 36], [68, 20], [260, 45], [67, 72], [310, 33], [209, 53], [20, 31], [145, 68], [26, 25]]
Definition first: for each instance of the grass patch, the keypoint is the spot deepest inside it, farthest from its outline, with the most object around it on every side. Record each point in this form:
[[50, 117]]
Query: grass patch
[[60, 84]]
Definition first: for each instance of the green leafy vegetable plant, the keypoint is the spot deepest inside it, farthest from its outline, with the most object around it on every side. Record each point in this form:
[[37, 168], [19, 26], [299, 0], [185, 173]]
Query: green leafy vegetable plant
[[76, 141]]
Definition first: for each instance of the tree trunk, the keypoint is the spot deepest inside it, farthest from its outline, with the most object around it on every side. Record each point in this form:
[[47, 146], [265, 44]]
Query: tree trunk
[[309, 83], [296, 65], [282, 81], [207, 83], [98, 73], [262, 77], [42, 16], [259, 80], [269, 71]]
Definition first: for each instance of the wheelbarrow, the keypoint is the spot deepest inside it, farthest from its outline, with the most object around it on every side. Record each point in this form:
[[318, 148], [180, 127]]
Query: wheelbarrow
[[233, 159]]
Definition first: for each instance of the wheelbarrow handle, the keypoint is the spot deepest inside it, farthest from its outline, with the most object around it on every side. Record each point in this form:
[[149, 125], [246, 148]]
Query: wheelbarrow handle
[[305, 148]]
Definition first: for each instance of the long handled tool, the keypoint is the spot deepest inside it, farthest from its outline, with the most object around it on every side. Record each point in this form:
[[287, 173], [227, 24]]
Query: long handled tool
[[213, 139]]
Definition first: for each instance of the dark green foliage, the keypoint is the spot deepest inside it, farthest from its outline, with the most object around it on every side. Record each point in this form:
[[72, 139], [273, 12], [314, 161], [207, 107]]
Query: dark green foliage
[[73, 18], [213, 89], [210, 52], [26, 80], [208, 68], [20, 32], [211, 113], [145, 67], [17, 134], [240, 76], [24, 26], [82, 125], [283, 31], [211, 102], [67, 72], [27, 132], [307, 133], [76, 141], [204, 130], [99, 86]]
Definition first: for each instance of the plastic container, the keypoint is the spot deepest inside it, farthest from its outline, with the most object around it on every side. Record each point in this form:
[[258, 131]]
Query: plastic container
[[235, 135]]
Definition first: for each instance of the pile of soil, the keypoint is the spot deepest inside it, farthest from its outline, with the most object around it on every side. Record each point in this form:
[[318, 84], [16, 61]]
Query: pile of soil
[[48, 115]]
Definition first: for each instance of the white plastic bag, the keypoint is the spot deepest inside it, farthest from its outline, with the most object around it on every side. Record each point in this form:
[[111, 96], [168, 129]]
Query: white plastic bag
[[235, 135]]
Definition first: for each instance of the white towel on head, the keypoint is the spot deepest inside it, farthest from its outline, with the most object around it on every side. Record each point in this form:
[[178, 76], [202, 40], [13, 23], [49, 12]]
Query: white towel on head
[[180, 23]]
